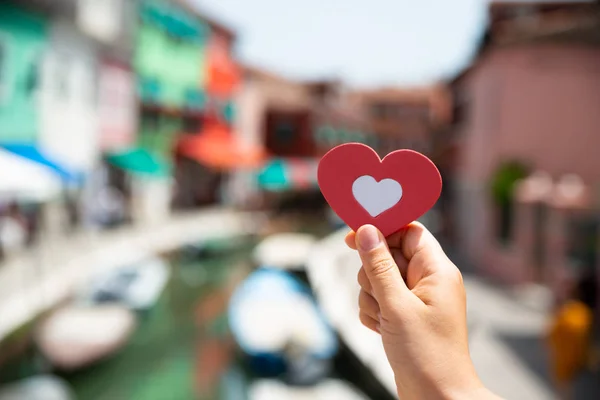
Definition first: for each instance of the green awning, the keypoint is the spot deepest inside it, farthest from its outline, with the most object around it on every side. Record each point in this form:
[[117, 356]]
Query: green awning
[[289, 174], [141, 162], [275, 177]]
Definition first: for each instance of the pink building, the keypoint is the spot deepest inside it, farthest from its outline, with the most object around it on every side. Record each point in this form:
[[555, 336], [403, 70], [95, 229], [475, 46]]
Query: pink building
[[532, 97]]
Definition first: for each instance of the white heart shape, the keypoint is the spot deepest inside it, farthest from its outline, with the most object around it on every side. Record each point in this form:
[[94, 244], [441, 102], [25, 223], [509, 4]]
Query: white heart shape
[[376, 197]]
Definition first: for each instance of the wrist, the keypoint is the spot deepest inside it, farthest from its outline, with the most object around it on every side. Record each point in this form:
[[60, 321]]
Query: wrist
[[479, 393], [464, 385]]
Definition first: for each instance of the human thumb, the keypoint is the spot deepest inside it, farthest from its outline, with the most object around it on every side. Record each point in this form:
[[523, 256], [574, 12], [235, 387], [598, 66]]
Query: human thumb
[[379, 265]]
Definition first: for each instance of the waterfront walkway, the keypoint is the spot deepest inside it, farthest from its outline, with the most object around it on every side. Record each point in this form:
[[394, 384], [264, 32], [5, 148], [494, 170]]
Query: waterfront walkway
[[48, 274]]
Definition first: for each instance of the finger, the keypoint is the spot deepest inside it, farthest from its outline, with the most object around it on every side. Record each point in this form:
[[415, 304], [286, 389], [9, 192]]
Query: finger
[[417, 239], [369, 322], [401, 261], [351, 240], [368, 305], [363, 281], [380, 267], [393, 241]]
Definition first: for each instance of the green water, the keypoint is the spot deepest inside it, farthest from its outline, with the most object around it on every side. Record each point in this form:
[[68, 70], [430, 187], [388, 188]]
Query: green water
[[159, 361]]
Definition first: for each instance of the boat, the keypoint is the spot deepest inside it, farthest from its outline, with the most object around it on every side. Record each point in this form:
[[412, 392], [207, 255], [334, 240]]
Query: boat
[[332, 269], [330, 389], [287, 251], [279, 327], [137, 285], [77, 336], [212, 248], [42, 387]]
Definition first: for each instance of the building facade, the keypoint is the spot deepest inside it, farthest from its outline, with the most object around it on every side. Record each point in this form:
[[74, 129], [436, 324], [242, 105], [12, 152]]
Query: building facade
[[526, 112], [23, 38]]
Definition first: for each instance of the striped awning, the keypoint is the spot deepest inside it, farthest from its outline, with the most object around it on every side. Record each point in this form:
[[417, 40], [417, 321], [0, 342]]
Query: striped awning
[[289, 174]]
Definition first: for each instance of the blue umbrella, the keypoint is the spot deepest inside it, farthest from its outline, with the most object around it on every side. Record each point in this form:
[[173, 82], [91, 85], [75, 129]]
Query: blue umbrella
[[31, 152]]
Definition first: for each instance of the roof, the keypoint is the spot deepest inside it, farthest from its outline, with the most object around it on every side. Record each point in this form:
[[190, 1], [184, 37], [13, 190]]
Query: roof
[[214, 23], [414, 96], [574, 21], [263, 74]]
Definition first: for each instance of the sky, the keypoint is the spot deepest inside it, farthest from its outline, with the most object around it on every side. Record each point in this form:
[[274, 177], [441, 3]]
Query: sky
[[364, 42]]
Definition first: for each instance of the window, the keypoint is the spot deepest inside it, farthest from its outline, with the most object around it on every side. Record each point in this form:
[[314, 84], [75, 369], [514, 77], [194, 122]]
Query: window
[[540, 217], [288, 133], [379, 110], [192, 124], [285, 132], [582, 242], [33, 75]]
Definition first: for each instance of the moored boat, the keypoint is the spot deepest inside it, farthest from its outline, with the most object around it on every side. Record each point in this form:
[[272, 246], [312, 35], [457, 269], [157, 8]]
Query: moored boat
[[137, 286], [40, 387], [75, 337], [279, 327]]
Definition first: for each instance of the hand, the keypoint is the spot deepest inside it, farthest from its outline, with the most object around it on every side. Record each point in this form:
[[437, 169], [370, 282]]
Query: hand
[[413, 295]]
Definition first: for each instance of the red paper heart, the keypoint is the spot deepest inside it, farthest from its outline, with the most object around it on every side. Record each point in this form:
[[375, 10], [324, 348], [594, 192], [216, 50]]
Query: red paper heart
[[420, 181]]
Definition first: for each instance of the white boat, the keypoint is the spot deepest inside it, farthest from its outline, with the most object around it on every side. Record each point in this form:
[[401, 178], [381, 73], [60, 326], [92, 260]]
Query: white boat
[[277, 324], [137, 286], [287, 251], [43, 387], [332, 269], [75, 337], [270, 389]]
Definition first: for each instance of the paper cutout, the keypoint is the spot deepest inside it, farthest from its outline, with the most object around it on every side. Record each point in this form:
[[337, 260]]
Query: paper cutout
[[376, 197], [419, 180]]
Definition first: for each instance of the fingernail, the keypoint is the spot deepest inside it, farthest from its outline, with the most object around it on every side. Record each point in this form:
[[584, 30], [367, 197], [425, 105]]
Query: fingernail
[[379, 317], [368, 238], [378, 328]]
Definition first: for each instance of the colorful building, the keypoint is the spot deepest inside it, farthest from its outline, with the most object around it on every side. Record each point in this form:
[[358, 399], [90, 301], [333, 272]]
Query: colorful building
[[23, 37], [526, 111]]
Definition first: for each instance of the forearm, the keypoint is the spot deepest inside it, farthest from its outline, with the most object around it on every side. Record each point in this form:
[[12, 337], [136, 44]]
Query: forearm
[[463, 386]]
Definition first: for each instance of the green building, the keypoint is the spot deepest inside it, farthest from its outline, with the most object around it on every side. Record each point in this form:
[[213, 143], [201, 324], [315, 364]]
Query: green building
[[23, 36], [169, 62]]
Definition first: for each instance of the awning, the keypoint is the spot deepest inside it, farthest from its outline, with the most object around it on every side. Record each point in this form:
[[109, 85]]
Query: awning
[[32, 153], [223, 74], [23, 179], [140, 162], [285, 174], [217, 148]]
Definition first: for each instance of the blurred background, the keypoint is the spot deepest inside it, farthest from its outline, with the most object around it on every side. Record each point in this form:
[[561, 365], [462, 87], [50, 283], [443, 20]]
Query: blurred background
[[162, 233]]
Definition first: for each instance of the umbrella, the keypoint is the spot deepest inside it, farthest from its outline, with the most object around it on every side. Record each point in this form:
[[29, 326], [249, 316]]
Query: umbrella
[[25, 179]]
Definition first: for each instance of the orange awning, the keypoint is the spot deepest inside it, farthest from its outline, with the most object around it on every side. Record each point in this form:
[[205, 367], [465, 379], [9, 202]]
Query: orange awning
[[217, 148]]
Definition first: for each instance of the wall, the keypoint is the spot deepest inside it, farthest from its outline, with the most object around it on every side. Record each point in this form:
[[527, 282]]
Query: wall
[[69, 98], [117, 106], [168, 66], [257, 94], [530, 103], [538, 105], [22, 37], [169, 61]]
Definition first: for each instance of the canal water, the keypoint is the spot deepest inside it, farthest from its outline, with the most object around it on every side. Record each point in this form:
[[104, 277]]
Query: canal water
[[181, 346]]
